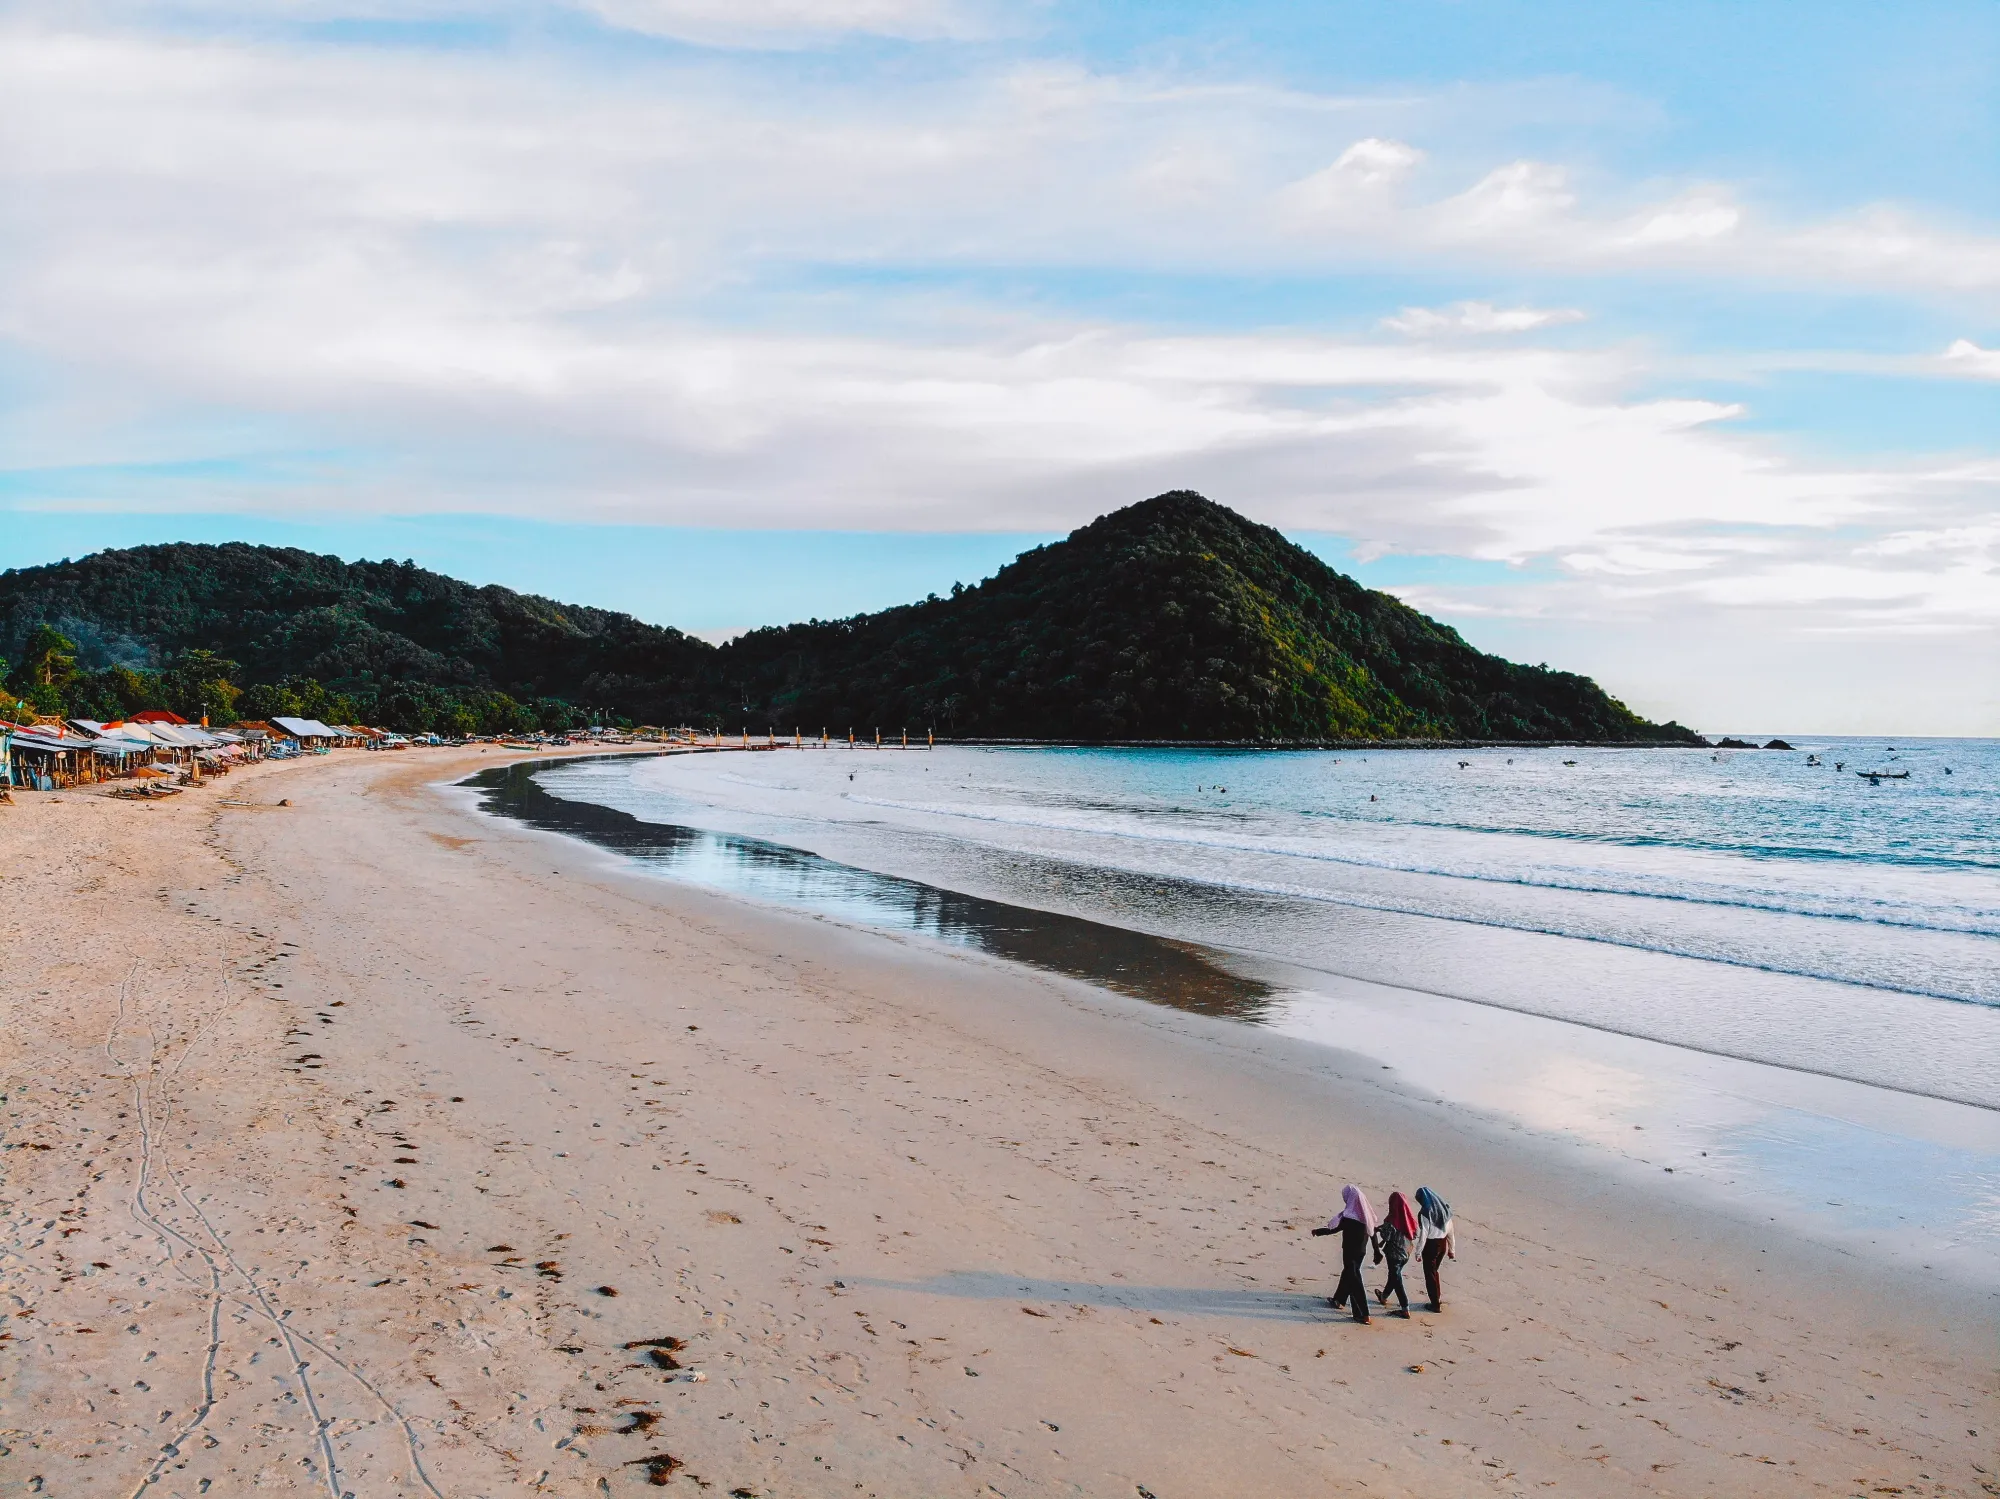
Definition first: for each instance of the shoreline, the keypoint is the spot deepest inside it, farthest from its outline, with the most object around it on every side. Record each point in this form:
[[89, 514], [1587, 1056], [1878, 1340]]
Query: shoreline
[[376, 1037], [1768, 954], [1256, 958], [1256, 744], [1709, 1110]]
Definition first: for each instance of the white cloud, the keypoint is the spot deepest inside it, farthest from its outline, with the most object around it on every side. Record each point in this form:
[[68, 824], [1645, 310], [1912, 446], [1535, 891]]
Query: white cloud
[[1887, 246], [1376, 163], [1478, 317], [484, 281], [1965, 357], [1188, 174], [1697, 218], [793, 23], [1520, 198], [1362, 180]]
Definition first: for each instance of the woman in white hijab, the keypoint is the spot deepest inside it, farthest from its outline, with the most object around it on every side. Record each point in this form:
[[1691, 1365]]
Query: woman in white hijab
[[1436, 1233]]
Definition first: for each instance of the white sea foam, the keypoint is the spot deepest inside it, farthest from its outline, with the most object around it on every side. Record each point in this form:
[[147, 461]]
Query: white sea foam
[[1588, 879], [1752, 904]]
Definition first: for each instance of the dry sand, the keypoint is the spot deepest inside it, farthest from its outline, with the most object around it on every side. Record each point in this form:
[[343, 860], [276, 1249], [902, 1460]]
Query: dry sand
[[366, 1147]]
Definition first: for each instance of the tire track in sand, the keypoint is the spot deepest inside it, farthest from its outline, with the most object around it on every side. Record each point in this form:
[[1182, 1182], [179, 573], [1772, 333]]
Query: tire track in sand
[[152, 1131]]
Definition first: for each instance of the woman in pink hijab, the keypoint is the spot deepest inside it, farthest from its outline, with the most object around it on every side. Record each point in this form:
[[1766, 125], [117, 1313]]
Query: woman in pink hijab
[[1355, 1223]]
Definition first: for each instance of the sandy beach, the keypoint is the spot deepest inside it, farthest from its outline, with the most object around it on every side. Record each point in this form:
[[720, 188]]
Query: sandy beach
[[366, 1146]]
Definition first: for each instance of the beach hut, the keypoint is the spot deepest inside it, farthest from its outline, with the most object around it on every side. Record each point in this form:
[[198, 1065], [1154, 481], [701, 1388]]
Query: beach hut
[[184, 739], [310, 732], [121, 737], [256, 736], [118, 753], [47, 757]]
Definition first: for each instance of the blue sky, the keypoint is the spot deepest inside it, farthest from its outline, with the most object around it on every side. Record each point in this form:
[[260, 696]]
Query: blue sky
[[1657, 341]]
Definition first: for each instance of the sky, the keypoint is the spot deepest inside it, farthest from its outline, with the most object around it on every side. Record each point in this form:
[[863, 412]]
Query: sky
[[1656, 341]]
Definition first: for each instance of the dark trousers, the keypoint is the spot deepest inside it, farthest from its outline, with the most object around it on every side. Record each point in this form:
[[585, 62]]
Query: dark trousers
[[1395, 1286], [1351, 1291], [1433, 1258]]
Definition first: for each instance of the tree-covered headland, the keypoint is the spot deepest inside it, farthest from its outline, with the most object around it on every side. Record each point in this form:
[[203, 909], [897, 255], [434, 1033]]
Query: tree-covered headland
[[1175, 618]]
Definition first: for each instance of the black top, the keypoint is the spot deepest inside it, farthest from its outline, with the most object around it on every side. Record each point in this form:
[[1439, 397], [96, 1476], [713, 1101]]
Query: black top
[[1353, 1242]]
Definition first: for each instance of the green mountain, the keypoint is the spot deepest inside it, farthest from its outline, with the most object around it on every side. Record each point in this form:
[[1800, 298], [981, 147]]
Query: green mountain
[[397, 643], [1171, 619]]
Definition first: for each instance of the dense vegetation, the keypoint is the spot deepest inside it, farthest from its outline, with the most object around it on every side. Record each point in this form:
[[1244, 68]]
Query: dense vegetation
[[1171, 619], [186, 627]]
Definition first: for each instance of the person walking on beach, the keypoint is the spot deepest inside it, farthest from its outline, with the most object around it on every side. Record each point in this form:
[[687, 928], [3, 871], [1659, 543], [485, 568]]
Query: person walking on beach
[[1395, 1237], [1435, 1233], [1354, 1223]]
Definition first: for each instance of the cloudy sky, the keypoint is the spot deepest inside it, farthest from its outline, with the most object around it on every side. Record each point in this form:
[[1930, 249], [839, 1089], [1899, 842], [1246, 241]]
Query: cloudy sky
[[1661, 341]]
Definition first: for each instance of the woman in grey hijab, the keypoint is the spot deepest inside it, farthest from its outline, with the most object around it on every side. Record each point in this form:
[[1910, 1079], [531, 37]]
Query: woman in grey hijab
[[1436, 1233]]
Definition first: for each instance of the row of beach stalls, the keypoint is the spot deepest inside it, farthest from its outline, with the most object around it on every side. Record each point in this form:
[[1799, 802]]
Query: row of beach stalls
[[154, 747]]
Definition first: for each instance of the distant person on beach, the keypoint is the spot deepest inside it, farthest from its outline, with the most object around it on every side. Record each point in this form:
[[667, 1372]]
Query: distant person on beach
[[1435, 1233], [1354, 1223], [1395, 1237]]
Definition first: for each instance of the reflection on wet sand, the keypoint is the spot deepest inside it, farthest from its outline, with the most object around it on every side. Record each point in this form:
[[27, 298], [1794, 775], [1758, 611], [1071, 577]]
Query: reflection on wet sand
[[1835, 1155], [1159, 969]]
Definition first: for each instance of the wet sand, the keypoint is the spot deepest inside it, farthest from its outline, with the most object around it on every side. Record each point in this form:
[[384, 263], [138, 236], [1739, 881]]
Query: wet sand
[[367, 1146]]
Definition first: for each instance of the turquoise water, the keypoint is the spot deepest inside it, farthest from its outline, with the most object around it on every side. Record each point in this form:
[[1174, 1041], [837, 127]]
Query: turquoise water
[[1745, 903]]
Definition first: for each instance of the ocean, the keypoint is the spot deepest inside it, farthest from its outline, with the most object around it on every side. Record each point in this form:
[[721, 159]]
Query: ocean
[[1684, 930]]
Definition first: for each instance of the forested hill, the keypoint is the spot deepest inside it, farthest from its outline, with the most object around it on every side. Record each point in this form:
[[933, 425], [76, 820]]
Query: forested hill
[[1175, 618], [382, 641], [1171, 619]]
